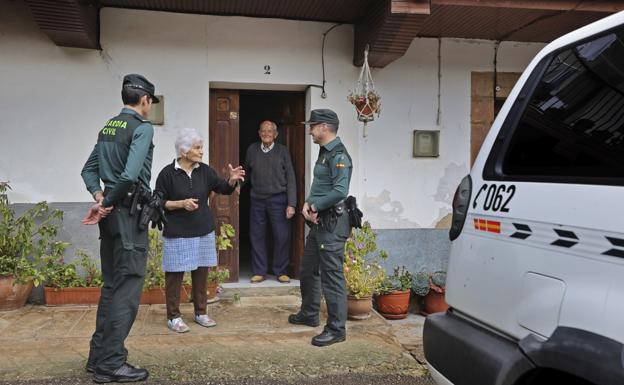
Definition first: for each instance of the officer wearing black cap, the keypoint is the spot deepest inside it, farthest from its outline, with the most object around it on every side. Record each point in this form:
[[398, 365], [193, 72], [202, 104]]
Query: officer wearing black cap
[[324, 210], [122, 160]]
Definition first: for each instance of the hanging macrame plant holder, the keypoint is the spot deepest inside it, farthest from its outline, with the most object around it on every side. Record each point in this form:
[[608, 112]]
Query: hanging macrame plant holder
[[364, 97]]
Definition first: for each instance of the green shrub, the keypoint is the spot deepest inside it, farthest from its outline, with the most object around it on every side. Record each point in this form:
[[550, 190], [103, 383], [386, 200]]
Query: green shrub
[[26, 238], [364, 275], [154, 275], [218, 275], [59, 274]]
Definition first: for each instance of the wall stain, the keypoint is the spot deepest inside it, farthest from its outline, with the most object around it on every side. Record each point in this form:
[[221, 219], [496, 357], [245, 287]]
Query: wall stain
[[110, 64], [445, 222], [453, 174], [383, 212]]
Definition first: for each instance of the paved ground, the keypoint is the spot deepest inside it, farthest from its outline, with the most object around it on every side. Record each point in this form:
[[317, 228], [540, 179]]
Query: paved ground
[[252, 343]]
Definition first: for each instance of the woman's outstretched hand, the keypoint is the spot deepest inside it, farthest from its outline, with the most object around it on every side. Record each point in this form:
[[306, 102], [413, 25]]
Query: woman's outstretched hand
[[236, 174]]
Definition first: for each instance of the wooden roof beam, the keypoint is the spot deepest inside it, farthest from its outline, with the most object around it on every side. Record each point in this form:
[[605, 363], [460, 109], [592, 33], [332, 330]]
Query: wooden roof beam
[[388, 28], [69, 23], [607, 6]]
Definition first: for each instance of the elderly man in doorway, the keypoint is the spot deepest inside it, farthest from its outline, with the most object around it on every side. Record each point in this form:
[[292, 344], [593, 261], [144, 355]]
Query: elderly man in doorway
[[273, 199]]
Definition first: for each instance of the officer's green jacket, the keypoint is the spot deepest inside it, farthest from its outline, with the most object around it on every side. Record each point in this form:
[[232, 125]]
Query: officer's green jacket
[[332, 174], [121, 157]]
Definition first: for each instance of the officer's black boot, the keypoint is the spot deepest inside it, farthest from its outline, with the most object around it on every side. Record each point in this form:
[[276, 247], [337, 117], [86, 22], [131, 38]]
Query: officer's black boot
[[90, 367], [328, 337], [298, 319], [125, 373]]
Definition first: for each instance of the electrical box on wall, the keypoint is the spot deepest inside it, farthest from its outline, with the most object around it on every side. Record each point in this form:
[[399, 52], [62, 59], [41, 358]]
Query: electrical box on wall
[[426, 143], [157, 113]]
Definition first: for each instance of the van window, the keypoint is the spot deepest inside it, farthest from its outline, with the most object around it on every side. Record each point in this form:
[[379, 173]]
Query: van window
[[573, 126]]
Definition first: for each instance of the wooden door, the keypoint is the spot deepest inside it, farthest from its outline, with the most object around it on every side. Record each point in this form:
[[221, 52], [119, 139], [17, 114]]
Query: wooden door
[[486, 101], [223, 149], [293, 113]]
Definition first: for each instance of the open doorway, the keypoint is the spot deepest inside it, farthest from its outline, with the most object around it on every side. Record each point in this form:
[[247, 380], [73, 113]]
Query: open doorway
[[235, 116], [287, 110]]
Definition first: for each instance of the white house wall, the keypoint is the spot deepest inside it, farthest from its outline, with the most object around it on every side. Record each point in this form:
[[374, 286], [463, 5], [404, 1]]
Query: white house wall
[[54, 99], [399, 191]]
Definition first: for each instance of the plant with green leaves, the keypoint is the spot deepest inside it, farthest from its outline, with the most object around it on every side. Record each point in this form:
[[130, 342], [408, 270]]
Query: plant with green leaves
[[218, 275], [438, 281], [93, 274], [363, 273], [225, 236], [154, 275], [59, 274], [24, 239], [423, 282], [400, 280], [223, 242], [386, 286]]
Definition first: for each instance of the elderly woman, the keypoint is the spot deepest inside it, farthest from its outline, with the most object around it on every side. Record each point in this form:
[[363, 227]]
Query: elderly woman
[[189, 235]]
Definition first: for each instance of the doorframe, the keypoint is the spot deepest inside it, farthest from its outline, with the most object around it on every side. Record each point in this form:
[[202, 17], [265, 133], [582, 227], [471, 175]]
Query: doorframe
[[483, 99], [306, 147]]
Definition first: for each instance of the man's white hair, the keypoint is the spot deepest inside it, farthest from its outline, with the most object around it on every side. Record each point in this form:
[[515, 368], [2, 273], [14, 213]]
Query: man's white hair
[[187, 138]]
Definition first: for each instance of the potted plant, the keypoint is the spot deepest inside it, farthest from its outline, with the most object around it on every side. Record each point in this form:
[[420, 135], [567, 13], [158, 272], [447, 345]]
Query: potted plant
[[431, 287], [63, 285], [23, 240], [363, 273], [367, 103], [216, 276], [366, 100], [219, 274], [224, 239], [394, 294]]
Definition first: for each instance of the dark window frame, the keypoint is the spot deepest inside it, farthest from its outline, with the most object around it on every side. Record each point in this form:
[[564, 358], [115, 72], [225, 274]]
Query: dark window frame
[[493, 168]]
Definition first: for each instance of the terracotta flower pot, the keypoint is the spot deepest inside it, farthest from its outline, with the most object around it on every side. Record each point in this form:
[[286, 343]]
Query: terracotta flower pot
[[13, 296], [394, 305], [71, 296], [434, 303], [212, 290], [359, 308], [157, 295], [364, 110]]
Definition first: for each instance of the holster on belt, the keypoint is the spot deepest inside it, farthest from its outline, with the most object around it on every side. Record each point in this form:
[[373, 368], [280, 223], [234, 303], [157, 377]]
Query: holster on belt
[[355, 214], [329, 218], [153, 211]]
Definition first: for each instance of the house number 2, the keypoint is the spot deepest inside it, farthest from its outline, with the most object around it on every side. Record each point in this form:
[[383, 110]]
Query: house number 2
[[267, 69]]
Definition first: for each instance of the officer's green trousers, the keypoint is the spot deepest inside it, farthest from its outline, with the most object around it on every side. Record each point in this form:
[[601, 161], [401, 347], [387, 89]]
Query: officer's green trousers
[[123, 252], [322, 267]]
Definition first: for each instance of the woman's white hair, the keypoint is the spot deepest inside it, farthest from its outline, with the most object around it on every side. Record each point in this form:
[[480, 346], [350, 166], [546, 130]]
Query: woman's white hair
[[187, 137]]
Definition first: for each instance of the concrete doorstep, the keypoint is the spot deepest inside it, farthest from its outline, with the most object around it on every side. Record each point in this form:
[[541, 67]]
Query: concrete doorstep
[[252, 339]]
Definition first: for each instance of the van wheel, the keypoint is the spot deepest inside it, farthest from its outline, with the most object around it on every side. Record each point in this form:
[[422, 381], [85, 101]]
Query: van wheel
[[551, 377]]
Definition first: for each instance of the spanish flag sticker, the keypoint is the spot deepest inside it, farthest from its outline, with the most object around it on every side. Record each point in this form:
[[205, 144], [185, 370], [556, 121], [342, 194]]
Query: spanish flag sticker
[[486, 225]]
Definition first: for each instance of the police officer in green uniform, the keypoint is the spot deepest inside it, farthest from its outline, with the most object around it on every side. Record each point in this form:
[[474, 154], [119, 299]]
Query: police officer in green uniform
[[122, 159], [325, 213]]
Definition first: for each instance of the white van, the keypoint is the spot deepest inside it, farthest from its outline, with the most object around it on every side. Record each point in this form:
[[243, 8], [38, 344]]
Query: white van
[[536, 274]]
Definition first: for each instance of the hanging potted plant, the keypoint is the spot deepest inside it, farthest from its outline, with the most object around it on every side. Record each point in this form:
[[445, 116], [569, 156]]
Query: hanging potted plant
[[366, 100], [394, 294], [363, 273], [63, 285], [367, 104], [431, 287], [23, 240]]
